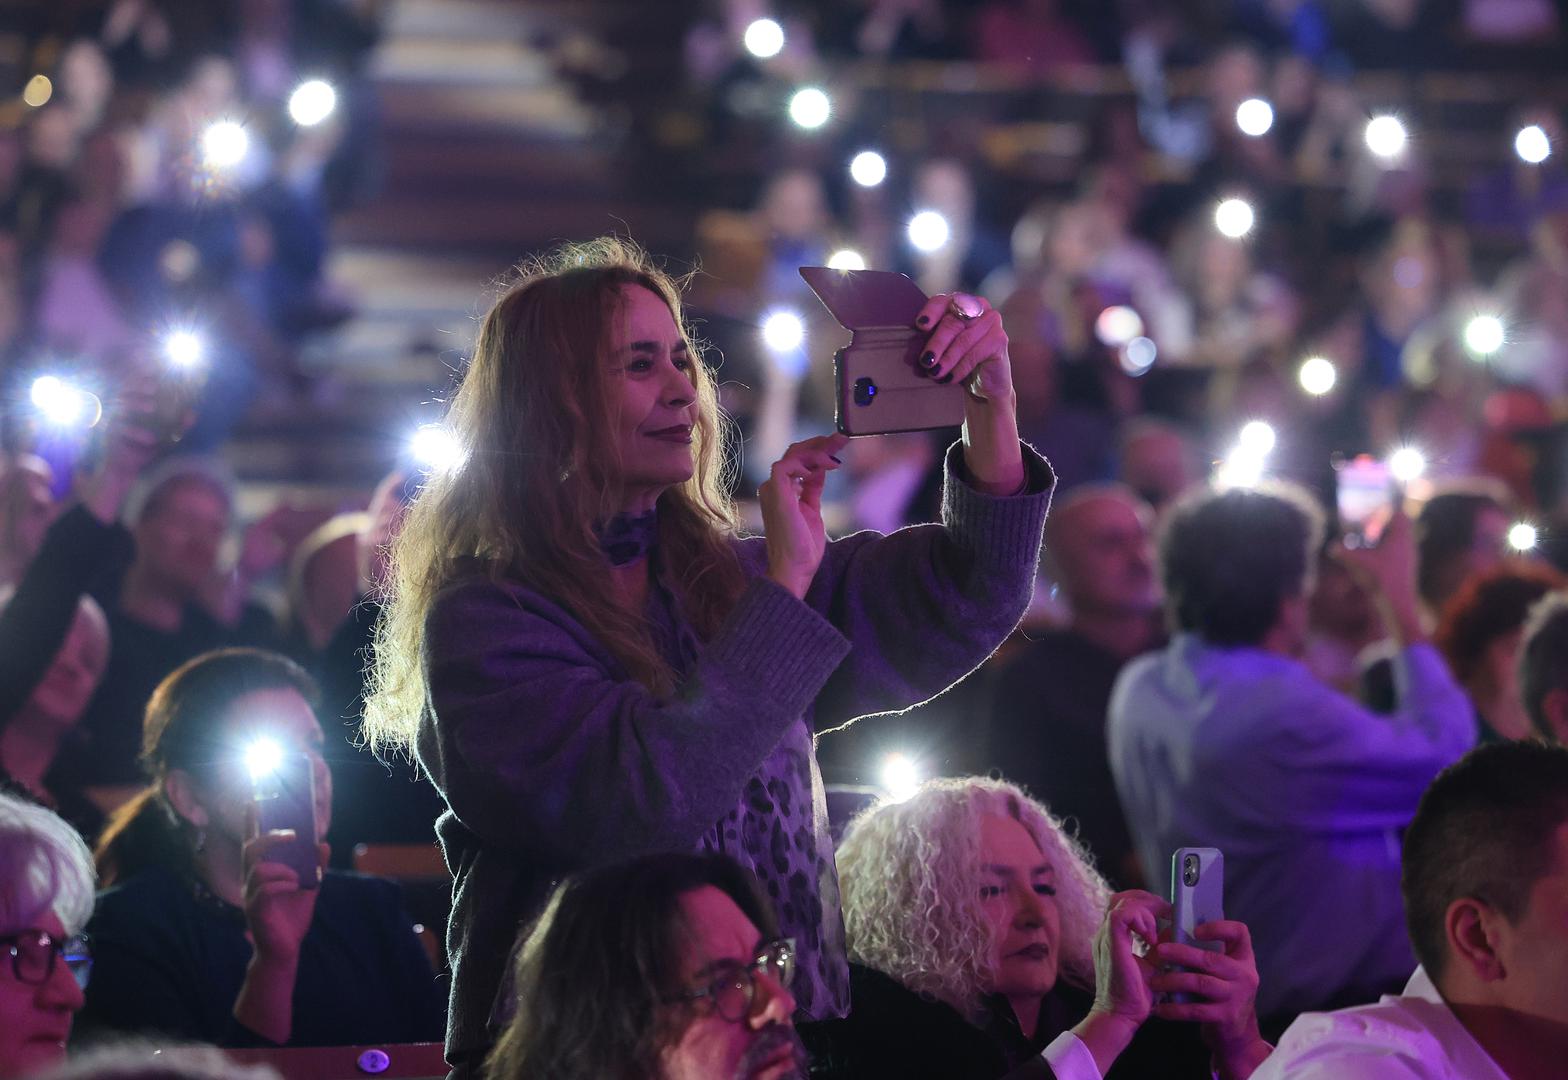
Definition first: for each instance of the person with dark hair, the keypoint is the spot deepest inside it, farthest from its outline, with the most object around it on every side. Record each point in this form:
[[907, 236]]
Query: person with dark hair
[[592, 663], [46, 894], [1225, 739], [1461, 530], [667, 966], [1543, 668], [1479, 633], [1485, 877], [202, 932]]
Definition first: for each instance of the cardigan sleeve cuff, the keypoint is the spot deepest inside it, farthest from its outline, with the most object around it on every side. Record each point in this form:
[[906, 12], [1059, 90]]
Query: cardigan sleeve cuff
[[778, 646], [1001, 529]]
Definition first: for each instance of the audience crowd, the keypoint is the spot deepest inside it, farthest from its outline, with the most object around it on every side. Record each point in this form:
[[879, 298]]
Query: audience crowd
[[1361, 703]]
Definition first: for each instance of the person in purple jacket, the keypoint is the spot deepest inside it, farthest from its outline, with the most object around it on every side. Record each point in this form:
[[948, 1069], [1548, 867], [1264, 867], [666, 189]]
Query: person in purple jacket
[[592, 663]]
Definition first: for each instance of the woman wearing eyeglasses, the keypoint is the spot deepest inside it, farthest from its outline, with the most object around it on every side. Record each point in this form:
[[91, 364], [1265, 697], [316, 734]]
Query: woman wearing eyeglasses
[[206, 932], [46, 895]]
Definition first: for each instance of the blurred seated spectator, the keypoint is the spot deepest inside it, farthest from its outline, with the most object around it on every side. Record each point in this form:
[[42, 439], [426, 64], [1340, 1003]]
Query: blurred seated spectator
[[27, 507], [1485, 870], [666, 966], [323, 580], [972, 922], [46, 895], [382, 802], [1480, 632], [1231, 311], [1543, 668], [1461, 531], [179, 519], [31, 736], [971, 251], [1342, 625], [1158, 461], [1226, 739], [1031, 36], [1047, 728], [202, 935], [76, 312]]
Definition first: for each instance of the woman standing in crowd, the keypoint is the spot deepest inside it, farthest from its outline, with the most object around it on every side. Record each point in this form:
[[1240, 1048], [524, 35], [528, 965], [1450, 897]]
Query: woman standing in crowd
[[972, 917], [592, 664], [46, 894], [202, 935]]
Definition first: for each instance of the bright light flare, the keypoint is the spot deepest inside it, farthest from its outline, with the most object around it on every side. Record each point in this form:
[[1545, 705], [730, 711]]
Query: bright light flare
[[1257, 438], [1386, 136], [1406, 464], [1254, 117], [38, 91], [1532, 144], [810, 108], [1317, 375], [868, 168], [846, 259], [263, 757], [783, 331], [1485, 334], [1234, 218], [928, 231], [1118, 325], [900, 776], [1522, 537], [1242, 468], [436, 449], [1138, 356], [312, 102], [224, 144], [764, 38], [64, 405], [184, 349]]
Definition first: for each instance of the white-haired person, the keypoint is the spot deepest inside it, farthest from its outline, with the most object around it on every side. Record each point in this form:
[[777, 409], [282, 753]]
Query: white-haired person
[[46, 896], [982, 940]]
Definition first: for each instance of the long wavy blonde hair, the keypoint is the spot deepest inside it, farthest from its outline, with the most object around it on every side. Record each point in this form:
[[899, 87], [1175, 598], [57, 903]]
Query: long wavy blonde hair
[[910, 875], [535, 424]]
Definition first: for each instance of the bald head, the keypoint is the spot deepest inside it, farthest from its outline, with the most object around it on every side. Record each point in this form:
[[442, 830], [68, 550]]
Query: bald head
[[1099, 545]]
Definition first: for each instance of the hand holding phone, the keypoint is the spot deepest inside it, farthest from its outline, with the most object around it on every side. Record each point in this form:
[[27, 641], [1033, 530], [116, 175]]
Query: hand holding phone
[[283, 801]]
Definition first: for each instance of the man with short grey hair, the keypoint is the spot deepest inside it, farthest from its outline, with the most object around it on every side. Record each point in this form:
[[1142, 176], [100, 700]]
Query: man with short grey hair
[[1225, 739]]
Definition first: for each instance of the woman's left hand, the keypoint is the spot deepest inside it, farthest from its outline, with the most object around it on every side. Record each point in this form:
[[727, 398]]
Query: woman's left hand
[[967, 343], [1226, 983]]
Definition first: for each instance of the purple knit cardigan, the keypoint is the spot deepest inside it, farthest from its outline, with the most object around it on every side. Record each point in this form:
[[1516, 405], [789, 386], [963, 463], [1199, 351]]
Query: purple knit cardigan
[[551, 759]]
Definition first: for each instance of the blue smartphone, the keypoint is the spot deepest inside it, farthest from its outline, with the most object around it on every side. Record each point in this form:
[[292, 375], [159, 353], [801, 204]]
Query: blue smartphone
[[1197, 897]]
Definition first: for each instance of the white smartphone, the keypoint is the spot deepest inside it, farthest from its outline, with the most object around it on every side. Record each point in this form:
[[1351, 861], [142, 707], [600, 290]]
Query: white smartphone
[[1197, 897]]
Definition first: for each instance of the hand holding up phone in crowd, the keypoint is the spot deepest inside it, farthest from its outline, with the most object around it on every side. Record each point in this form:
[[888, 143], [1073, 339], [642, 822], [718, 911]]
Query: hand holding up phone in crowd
[[1388, 571], [1130, 955], [969, 344]]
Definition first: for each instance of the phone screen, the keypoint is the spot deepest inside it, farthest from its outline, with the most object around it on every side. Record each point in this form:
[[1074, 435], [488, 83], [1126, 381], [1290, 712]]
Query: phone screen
[[1363, 492]]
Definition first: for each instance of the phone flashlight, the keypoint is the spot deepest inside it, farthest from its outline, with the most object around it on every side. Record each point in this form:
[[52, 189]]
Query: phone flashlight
[[900, 776], [184, 349], [63, 405], [263, 757]]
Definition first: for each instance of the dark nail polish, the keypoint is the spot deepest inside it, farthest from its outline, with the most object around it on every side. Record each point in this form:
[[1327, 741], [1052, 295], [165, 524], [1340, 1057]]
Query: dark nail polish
[[928, 360], [922, 320], [836, 460], [945, 379]]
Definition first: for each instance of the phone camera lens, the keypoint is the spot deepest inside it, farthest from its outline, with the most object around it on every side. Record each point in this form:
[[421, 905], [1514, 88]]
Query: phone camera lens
[[1189, 870], [865, 390]]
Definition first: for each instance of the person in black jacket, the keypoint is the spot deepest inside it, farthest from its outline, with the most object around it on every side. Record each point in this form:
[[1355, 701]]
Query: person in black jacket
[[203, 933], [972, 926]]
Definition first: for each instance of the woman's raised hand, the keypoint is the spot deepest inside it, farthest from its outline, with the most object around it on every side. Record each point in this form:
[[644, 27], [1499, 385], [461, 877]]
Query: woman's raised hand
[[967, 343], [791, 499], [1122, 994], [278, 909]]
